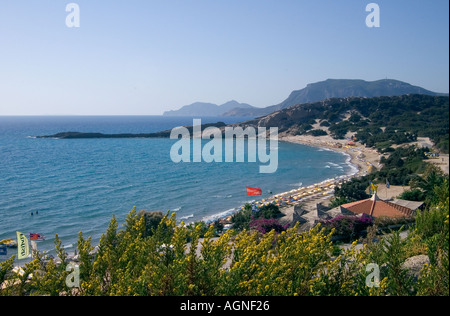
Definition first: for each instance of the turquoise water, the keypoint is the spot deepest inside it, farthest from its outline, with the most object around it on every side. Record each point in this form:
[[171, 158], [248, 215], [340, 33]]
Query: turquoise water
[[78, 185]]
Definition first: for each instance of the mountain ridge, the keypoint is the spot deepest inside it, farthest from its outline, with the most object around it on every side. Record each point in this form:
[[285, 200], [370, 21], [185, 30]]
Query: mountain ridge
[[338, 88], [313, 92]]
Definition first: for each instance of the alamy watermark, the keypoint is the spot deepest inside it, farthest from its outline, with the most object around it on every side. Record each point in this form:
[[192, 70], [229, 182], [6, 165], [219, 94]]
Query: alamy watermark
[[373, 19], [216, 151], [73, 18], [373, 279], [73, 279]]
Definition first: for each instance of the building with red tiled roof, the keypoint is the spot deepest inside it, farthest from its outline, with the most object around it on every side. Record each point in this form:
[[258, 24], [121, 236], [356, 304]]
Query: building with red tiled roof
[[376, 207]]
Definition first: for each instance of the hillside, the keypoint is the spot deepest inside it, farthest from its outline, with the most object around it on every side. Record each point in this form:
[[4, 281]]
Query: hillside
[[337, 88], [377, 122], [208, 109]]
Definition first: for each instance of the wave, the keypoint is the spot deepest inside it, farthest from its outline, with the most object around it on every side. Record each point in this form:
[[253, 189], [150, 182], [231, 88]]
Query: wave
[[331, 165], [215, 217], [187, 217], [354, 169], [229, 196]]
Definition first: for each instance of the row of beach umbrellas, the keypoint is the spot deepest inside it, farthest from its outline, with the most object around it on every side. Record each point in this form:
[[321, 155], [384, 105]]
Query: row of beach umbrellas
[[325, 188]]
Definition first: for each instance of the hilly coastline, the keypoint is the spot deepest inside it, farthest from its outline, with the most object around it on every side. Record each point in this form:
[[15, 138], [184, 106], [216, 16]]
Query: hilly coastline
[[314, 92], [338, 88], [378, 122]]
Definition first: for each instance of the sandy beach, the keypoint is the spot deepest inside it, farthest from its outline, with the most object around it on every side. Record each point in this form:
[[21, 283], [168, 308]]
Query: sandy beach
[[362, 158]]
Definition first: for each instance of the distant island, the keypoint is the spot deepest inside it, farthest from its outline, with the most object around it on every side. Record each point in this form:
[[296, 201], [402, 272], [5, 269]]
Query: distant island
[[314, 92], [209, 109]]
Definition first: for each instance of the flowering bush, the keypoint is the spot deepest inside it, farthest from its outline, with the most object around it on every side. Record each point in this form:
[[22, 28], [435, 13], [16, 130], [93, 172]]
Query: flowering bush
[[348, 227], [265, 226], [176, 261]]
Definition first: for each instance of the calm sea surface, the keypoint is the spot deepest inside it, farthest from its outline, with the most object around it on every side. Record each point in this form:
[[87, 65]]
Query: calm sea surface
[[78, 185]]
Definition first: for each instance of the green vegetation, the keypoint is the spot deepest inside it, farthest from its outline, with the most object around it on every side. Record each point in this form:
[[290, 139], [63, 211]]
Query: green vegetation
[[167, 262], [242, 220], [351, 191], [318, 132], [377, 122], [404, 166]]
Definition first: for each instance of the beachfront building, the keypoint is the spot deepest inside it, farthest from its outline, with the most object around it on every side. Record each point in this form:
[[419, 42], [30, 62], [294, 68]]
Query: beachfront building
[[377, 207]]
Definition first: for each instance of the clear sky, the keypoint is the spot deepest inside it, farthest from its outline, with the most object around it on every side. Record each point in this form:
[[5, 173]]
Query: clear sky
[[144, 57]]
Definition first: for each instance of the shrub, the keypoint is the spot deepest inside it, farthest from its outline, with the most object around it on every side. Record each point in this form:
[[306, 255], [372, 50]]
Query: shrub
[[318, 132], [413, 195], [265, 226], [269, 211], [347, 227], [242, 264], [152, 220], [241, 220]]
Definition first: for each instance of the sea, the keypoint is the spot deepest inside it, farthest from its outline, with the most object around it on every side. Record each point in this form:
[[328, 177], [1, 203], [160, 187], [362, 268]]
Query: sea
[[57, 186]]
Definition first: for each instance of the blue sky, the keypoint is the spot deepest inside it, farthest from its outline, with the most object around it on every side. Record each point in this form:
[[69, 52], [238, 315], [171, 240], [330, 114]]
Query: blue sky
[[143, 57]]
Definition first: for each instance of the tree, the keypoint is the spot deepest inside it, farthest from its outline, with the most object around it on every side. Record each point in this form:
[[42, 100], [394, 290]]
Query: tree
[[152, 220], [432, 179], [354, 190]]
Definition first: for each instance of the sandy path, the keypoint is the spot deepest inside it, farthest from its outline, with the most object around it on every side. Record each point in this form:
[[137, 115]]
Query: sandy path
[[442, 162]]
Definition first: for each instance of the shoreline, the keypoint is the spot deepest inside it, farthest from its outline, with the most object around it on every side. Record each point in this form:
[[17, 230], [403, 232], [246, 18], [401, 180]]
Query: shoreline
[[359, 159], [360, 156], [319, 192]]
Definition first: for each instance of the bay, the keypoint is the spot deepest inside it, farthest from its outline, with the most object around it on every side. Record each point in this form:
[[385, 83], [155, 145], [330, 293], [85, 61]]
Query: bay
[[78, 185]]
